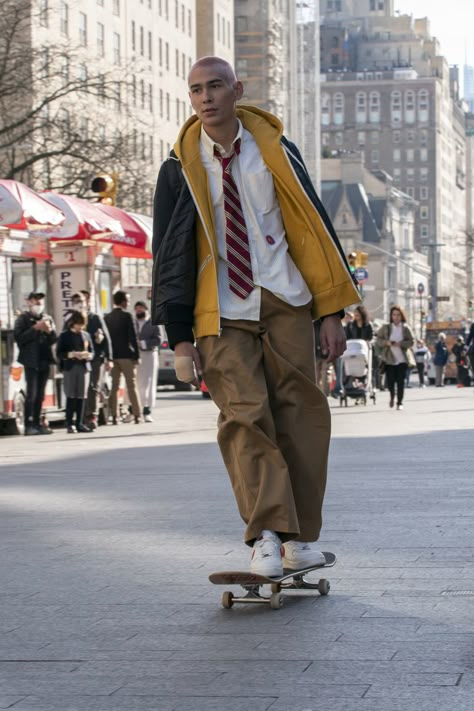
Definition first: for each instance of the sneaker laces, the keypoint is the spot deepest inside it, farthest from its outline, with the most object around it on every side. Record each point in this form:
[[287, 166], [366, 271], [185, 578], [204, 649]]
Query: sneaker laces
[[265, 545]]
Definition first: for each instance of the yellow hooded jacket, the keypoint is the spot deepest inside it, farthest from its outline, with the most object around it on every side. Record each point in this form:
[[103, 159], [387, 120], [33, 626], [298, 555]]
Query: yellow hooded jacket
[[310, 244]]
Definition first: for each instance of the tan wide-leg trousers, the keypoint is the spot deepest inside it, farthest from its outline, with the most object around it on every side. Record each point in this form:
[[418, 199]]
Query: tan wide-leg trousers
[[128, 367], [274, 422]]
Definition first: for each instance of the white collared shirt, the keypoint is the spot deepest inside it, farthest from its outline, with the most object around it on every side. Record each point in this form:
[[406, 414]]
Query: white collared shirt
[[272, 266]]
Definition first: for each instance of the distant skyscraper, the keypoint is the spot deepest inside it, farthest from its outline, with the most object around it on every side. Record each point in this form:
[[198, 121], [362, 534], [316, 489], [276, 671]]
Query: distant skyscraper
[[469, 86]]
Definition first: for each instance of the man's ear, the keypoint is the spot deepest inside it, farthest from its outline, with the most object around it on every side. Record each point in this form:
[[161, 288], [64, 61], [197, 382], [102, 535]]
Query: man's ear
[[238, 90]]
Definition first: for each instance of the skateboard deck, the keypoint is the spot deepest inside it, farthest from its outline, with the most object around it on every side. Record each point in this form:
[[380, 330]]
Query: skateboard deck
[[252, 584]]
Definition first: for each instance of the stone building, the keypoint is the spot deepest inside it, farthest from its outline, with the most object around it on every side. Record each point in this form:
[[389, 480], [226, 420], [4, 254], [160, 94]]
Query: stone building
[[372, 215], [398, 103]]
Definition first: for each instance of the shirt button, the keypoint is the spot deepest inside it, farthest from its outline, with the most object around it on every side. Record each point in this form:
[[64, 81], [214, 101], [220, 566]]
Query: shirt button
[[270, 239]]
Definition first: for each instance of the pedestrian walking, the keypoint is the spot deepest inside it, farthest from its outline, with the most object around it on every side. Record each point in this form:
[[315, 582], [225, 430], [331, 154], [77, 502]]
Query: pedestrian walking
[[126, 355], [101, 361], [422, 358], [149, 340], [360, 327], [396, 341], [75, 352], [440, 359], [347, 318], [34, 334], [235, 199]]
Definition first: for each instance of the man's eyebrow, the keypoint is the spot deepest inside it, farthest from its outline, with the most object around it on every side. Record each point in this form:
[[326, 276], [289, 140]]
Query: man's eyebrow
[[211, 81]]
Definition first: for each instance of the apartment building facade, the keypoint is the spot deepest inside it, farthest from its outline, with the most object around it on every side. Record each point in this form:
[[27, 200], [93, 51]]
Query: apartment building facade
[[393, 97]]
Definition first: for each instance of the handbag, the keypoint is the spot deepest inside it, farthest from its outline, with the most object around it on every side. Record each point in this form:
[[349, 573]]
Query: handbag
[[411, 362]]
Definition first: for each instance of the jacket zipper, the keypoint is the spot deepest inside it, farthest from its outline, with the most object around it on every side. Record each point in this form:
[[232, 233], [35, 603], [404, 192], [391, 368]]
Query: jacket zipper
[[210, 247]]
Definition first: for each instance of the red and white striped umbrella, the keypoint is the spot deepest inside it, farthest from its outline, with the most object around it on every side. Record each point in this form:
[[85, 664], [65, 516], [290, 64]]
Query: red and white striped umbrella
[[23, 209], [84, 220]]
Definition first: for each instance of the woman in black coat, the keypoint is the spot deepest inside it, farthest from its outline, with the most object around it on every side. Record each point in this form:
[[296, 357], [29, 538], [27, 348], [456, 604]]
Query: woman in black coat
[[75, 351]]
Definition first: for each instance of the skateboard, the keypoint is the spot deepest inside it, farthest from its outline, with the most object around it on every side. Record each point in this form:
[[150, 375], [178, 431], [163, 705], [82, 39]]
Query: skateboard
[[252, 584]]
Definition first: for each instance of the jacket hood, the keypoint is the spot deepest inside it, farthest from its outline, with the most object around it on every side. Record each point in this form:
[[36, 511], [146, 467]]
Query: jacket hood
[[252, 118]]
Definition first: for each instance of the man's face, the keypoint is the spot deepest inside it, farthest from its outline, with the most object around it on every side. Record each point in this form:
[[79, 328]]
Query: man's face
[[36, 305], [213, 94]]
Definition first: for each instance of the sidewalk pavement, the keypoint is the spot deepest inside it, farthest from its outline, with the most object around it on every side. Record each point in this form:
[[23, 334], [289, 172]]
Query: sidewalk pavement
[[106, 542]]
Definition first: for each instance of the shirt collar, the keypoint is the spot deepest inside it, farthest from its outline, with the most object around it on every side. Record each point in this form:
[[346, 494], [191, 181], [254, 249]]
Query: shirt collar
[[209, 144]]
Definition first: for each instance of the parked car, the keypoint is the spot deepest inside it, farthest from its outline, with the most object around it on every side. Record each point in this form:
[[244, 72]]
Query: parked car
[[166, 373]]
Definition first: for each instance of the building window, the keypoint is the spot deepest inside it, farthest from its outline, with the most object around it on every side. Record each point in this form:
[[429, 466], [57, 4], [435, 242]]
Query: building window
[[325, 138], [339, 138], [43, 13], [411, 192], [424, 193], [423, 174], [424, 212], [396, 155], [116, 7], [423, 105], [150, 46], [410, 136], [396, 136], [361, 138], [424, 232], [189, 23], [335, 42], [241, 25], [151, 148], [374, 107], [134, 89], [82, 73], [183, 65], [142, 41], [64, 18], [374, 156], [100, 39], [178, 107], [338, 109], [177, 62], [142, 93], [396, 106], [375, 137], [65, 65], [161, 103], [150, 97], [423, 154], [361, 107], [410, 174], [167, 56], [423, 134], [410, 106], [134, 36], [176, 13], [325, 109], [117, 53], [100, 2], [162, 150], [160, 51], [167, 106], [83, 29], [410, 155], [183, 20], [396, 175]]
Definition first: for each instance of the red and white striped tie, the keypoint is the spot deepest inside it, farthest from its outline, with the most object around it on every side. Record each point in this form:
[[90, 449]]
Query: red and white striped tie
[[239, 264]]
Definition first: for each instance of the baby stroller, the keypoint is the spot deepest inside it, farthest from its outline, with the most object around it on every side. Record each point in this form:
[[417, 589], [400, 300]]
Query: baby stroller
[[357, 373]]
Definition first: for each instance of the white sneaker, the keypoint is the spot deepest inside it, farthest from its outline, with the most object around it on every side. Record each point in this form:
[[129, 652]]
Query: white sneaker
[[266, 555], [128, 418], [299, 554], [148, 418]]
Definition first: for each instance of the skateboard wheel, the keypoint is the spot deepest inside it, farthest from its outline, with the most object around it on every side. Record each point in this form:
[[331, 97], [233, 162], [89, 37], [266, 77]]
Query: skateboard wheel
[[276, 587], [227, 599], [324, 586], [276, 601]]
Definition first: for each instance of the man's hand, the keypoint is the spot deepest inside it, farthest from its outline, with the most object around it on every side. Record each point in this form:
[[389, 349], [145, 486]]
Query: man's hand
[[188, 349], [109, 364], [42, 326], [332, 338]]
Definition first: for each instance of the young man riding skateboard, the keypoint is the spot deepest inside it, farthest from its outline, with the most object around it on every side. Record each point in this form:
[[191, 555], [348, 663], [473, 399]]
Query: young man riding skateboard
[[245, 260]]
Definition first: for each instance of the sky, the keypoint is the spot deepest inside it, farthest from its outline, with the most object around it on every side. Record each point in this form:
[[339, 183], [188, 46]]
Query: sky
[[452, 22]]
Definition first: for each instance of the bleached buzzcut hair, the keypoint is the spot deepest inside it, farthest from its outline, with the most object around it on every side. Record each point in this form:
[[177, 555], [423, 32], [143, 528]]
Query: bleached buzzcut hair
[[226, 69]]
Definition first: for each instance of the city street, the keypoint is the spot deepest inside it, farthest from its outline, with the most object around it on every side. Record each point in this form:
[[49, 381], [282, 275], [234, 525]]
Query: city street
[[107, 541]]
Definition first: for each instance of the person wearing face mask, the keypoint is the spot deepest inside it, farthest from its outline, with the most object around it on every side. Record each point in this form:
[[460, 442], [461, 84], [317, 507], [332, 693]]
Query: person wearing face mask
[[75, 351], [148, 337], [78, 304], [35, 333]]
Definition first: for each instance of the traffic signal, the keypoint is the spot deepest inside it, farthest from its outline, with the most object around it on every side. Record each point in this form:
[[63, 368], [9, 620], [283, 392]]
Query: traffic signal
[[106, 186], [352, 259], [357, 259]]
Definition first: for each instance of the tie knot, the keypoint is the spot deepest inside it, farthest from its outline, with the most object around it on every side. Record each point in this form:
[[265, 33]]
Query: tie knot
[[227, 160]]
